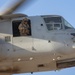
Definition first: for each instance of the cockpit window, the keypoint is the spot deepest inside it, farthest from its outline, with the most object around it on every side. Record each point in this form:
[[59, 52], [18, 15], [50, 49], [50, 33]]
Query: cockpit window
[[57, 26], [49, 26], [67, 25], [54, 26], [52, 19], [53, 23], [56, 23]]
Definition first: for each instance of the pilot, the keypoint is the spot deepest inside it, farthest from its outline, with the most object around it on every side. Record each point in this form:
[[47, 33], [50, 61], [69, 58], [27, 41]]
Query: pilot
[[24, 27]]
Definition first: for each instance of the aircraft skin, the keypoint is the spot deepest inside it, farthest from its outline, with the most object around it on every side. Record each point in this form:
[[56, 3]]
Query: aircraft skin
[[43, 50]]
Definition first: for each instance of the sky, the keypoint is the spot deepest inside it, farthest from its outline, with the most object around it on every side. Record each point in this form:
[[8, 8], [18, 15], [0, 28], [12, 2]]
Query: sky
[[65, 8]]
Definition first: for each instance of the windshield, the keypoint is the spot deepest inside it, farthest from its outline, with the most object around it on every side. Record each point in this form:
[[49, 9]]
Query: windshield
[[67, 25]]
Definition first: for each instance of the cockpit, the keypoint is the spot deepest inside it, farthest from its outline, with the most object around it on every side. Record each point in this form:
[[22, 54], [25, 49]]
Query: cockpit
[[56, 23]]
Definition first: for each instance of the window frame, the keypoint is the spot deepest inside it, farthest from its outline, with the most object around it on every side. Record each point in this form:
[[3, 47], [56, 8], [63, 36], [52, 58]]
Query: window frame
[[18, 35], [70, 26], [55, 27]]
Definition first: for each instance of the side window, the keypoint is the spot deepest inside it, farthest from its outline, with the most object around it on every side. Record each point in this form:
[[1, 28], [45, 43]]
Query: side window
[[57, 26], [21, 28], [53, 23], [54, 26], [49, 26]]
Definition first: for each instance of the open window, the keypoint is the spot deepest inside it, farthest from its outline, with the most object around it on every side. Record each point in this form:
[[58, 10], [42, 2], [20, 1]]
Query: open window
[[15, 28]]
